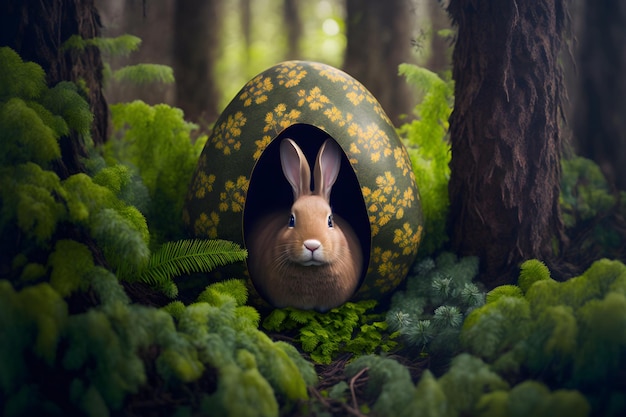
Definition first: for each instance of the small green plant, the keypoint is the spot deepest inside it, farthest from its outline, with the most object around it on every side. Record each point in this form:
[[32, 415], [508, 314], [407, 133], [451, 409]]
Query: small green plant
[[184, 257], [154, 142], [438, 296], [348, 328], [429, 150], [585, 192], [122, 46], [589, 208]]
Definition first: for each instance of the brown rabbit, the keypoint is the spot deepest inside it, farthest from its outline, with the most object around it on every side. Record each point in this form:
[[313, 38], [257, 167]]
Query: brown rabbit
[[306, 258]]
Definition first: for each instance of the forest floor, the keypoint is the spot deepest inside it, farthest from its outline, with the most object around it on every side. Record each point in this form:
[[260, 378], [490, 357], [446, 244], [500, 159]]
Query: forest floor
[[156, 399]]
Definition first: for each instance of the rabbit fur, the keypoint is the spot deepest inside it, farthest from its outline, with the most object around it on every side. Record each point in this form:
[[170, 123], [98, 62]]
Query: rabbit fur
[[307, 257]]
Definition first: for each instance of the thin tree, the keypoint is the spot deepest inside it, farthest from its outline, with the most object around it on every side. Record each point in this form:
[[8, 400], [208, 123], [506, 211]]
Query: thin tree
[[439, 59], [151, 21], [196, 36], [504, 131], [600, 125], [293, 22], [379, 37]]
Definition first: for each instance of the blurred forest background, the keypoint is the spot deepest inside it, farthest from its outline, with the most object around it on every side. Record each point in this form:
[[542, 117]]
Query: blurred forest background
[[216, 46]]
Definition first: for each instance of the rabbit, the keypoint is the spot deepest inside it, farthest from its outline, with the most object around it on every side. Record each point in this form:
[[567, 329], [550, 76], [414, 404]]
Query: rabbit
[[306, 258]]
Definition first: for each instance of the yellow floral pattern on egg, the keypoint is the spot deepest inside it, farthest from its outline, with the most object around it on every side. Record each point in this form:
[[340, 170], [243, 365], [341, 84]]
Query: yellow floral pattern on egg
[[256, 91], [234, 195], [203, 184], [206, 225], [227, 134], [407, 239], [386, 202], [299, 92], [313, 98], [290, 74], [390, 271], [280, 118]]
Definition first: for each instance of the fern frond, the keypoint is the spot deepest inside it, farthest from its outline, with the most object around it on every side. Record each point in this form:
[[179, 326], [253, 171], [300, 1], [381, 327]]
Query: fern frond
[[188, 256]]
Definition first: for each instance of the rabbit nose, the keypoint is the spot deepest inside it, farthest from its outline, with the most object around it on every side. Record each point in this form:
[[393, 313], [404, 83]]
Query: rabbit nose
[[312, 244]]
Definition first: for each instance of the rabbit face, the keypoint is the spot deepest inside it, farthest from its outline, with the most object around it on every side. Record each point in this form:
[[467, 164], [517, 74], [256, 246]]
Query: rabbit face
[[312, 230]]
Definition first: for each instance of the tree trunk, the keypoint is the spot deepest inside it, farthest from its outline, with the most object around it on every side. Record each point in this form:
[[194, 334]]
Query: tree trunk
[[245, 16], [291, 15], [196, 35], [600, 125], [379, 39], [439, 59], [152, 21], [505, 138], [36, 30]]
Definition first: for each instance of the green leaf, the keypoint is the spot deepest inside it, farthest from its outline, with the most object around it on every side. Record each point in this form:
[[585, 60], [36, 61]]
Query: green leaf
[[188, 256]]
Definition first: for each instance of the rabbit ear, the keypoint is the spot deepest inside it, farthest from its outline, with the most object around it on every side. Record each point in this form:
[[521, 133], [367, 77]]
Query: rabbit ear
[[295, 167], [326, 168]]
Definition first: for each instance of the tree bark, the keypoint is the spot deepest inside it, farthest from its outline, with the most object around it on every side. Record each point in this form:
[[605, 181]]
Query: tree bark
[[439, 59], [196, 34], [36, 30], [291, 15], [152, 21], [379, 39], [600, 125], [245, 19], [504, 130]]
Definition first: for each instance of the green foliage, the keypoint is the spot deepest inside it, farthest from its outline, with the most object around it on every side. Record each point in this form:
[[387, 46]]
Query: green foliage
[[438, 296], [155, 143], [35, 202], [568, 333], [98, 353], [588, 204], [584, 191], [69, 262], [469, 388], [122, 46], [388, 381], [348, 328], [253, 370], [34, 117], [532, 398], [64, 315], [183, 257], [25, 80], [145, 73], [531, 271], [429, 150]]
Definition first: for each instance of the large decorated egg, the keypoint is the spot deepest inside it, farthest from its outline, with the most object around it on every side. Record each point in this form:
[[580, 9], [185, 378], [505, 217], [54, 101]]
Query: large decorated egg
[[239, 178]]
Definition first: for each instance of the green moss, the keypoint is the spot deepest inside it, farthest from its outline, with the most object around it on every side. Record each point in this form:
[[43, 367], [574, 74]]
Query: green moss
[[569, 333], [531, 271], [69, 262], [504, 291]]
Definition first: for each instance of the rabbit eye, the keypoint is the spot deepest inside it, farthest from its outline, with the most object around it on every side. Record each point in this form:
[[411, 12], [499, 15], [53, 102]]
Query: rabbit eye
[[292, 220], [330, 220]]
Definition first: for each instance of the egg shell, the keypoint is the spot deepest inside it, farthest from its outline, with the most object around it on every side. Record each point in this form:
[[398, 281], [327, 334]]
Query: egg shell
[[238, 177]]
